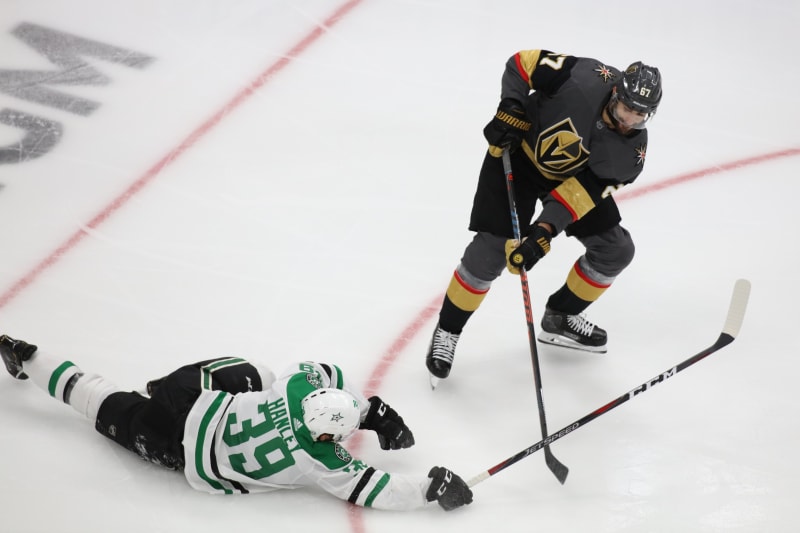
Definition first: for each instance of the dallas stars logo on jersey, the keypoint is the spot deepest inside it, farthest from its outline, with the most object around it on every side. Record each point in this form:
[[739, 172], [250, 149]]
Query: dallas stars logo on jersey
[[314, 379], [341, 453]]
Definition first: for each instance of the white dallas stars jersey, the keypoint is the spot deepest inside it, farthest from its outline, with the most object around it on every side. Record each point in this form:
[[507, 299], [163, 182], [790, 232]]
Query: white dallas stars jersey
[[257, 441]]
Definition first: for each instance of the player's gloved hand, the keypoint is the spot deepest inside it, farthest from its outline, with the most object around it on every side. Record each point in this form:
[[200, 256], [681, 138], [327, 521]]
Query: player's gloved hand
[[507, 127], [448, 489], [392, 432], [533, 247]]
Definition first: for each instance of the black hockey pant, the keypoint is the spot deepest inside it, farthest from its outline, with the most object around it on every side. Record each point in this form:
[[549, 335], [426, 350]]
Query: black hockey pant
[[153, 427]]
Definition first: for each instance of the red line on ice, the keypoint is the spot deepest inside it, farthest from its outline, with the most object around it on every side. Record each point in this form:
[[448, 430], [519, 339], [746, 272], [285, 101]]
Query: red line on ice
[[410, 332], [176, 152]]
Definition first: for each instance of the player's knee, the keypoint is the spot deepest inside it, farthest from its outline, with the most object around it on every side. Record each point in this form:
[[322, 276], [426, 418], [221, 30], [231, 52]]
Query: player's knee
[[116, 414], [483, 261], [610, 252], [143, 427], [87, 392], [625, 251]]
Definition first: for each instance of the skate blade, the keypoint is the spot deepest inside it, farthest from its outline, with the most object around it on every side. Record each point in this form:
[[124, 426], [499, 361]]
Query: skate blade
[[434, 381], [566, 342]]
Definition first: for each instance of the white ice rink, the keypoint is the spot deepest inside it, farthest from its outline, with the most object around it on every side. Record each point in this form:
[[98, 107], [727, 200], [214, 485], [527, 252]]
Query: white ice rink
[[285, 180]]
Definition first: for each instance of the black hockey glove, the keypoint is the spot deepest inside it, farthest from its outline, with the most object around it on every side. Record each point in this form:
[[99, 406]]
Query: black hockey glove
[[448, 489], [392, 432], [527, 254], [507, 127]]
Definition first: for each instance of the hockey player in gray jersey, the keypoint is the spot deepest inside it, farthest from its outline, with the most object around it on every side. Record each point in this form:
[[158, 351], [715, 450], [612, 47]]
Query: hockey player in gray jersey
[[575, 129], [232, 427]]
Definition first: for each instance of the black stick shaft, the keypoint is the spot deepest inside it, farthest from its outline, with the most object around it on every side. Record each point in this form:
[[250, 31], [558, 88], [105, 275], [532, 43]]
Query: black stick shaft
[[557, 467], [730, 331]]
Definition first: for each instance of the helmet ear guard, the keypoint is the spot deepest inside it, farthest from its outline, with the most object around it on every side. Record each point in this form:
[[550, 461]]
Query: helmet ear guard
[[331, 411]]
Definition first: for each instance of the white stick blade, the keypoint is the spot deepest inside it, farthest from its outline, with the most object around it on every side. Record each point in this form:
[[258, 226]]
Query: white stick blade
[[741, 294]]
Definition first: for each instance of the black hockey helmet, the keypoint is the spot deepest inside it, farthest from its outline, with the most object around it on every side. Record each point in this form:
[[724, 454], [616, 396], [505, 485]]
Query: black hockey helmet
[[640, 88]]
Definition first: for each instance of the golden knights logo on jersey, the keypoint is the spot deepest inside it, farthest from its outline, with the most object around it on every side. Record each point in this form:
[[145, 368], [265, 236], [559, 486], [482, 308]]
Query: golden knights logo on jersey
[[559, 149], [641, 153], [605, 72]]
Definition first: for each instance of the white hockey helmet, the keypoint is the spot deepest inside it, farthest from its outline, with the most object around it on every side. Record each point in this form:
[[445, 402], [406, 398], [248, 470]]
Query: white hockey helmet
[[331, 411]]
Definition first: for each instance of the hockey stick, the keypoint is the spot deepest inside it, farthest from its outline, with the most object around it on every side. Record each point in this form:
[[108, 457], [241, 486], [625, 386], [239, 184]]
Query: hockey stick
[[556, 467], [733, 322]]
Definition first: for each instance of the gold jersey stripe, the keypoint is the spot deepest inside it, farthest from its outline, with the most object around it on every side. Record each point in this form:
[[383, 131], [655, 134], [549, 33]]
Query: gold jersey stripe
[[526, 62], [574, 197], [463, 296]]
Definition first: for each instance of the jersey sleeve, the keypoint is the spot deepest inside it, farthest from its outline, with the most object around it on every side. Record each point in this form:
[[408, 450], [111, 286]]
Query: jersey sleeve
[[535, 70], [573, 199], [330, 376], [569, 202], [331, 468]]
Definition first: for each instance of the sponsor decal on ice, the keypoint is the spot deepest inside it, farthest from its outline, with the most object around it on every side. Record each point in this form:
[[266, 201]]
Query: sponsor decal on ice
[[38, 134]]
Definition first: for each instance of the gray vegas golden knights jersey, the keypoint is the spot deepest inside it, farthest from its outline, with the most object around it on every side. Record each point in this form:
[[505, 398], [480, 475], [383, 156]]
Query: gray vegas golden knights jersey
[[578, 158], [256, 442]]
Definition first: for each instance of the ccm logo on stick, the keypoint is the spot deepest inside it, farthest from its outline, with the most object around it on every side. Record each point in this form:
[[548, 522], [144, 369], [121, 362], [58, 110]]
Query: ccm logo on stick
[[655, 381]]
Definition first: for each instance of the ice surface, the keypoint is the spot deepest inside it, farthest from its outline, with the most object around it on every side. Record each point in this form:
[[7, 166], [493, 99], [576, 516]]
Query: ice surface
[[290, 180]]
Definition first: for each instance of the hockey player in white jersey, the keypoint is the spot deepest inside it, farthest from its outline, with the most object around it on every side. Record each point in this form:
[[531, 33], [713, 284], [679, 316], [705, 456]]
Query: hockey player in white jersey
[[232, 427]]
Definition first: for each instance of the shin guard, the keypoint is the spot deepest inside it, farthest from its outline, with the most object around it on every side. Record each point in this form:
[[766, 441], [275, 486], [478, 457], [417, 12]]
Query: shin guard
[[66, 382]]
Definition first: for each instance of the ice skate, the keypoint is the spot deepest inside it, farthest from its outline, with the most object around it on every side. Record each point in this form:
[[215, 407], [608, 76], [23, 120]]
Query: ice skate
[[440, 354], [14, 352], [572, 331]]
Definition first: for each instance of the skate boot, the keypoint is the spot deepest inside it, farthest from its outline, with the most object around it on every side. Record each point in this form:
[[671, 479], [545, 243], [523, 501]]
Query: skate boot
[[14, 352], [572, 331], [440, 354]]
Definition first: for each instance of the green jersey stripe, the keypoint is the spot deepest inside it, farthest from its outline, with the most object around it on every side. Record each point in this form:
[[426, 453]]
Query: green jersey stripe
[[217, 365], [201, 436], [378, 488], [337, 381]]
